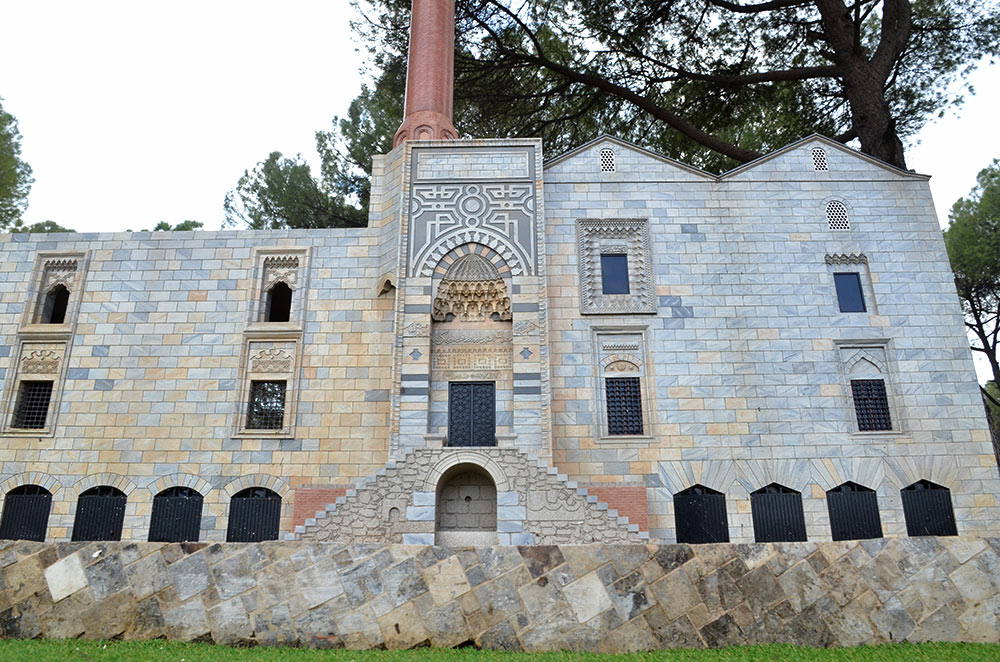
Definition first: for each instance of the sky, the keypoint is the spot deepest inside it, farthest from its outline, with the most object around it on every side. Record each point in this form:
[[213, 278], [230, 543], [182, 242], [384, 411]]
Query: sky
[[134, 113]]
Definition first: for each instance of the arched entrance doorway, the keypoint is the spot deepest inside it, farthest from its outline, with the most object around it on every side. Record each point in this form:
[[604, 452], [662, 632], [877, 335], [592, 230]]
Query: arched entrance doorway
[[466, 507]]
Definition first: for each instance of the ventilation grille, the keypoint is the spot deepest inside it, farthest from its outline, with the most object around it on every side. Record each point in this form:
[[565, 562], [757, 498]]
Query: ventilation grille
[[32, 405], [624, 405], [819, 159], [836, 216], [607, 160], [871, 404], [267, 406]]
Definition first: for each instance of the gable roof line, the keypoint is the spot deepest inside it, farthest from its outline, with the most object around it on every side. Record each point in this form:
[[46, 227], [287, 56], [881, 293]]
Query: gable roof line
[[829, 142], [741, 168], [604, 137]]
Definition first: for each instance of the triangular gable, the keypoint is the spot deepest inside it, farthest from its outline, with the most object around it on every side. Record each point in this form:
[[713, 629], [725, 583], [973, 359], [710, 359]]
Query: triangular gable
[[630, 160], [797, 157]]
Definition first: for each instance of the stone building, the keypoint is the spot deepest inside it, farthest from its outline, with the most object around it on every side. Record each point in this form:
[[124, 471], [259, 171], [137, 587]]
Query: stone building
[[607, 345]]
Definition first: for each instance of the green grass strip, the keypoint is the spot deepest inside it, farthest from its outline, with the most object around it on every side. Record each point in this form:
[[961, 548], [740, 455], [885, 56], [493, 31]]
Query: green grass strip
[[163, 651]]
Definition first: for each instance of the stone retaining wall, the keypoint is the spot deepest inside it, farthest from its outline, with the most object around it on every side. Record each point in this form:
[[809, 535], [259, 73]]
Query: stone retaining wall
[[583, 597]]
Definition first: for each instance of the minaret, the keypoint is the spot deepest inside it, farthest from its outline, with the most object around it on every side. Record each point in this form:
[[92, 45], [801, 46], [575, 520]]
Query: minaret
[[430, 73]]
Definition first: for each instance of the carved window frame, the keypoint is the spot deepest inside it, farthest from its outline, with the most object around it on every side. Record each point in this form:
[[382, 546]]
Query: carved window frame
[[261, 363], [66, 268], [852, 263], [621, 351], [628, 236], [876, 353], [39, 357], [289, 265]]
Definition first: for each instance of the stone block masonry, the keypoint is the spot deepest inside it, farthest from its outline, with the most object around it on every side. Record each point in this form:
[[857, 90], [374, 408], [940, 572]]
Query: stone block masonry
[[611, 598]]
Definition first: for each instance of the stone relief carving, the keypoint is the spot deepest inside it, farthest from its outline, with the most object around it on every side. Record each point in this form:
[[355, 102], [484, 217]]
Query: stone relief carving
[[271, 361], [622, 366], [846, 259], [478, 358], [440, 337], [500, 216], [629, 235], [553, 505], [417, 330], [59, 272], [40, 362], [281, 268], [525, 328], [471, 291]]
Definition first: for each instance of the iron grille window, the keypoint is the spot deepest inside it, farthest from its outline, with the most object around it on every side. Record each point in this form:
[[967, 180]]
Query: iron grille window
[[849, 295], [777, 514], [928, 510], [32, 405], [871, 404], [624, 399], [100, 513], [700, 516], [176, 516], [819, 159], [254, 515], [26, 513], [267, 406], [853, 512], [278, 307], [607, 160], [836, 216], [614, 273]]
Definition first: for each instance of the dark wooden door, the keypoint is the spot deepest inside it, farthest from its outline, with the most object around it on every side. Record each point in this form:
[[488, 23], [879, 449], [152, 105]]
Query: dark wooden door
[[472, 414]]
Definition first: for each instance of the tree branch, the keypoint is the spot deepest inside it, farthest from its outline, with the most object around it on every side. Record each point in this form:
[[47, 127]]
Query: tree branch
[[761, 7], [986, 394]]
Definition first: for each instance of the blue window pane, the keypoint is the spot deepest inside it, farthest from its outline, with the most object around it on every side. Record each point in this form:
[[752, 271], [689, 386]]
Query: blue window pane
[[614, 274], [849, 292]]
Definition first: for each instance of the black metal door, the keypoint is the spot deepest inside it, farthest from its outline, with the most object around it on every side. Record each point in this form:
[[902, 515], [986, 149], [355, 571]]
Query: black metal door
[[777, 514], [853, 512], [176, 516], [472, 414], [254, 515], [928, 511], [26, 513], [100, 513], [700, 516]]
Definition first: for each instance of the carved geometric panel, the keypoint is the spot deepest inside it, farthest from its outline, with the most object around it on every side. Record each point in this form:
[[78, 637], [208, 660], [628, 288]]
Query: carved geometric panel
[[629, 237]]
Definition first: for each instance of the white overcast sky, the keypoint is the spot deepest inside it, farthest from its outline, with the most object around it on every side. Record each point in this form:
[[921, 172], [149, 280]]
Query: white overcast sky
[[137, 112]]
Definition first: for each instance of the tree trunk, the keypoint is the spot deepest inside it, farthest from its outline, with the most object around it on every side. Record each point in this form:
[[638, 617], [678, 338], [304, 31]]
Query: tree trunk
[[871, 117]]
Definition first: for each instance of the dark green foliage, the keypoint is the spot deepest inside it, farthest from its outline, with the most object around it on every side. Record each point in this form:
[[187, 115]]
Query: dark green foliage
[[15, 175], [973, 242], [44, 226]]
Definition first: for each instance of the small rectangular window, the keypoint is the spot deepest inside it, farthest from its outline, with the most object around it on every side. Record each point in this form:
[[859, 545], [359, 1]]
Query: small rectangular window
[[871, 404], [849, 292], [266, 410], [624, 400], [614, 273], [32, 405]]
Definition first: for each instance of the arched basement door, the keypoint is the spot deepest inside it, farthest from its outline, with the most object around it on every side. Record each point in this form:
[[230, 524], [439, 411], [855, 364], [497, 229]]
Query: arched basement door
[[466, 507]]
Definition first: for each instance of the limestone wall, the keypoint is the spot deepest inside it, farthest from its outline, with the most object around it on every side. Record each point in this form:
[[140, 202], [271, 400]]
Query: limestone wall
[[597, 597]]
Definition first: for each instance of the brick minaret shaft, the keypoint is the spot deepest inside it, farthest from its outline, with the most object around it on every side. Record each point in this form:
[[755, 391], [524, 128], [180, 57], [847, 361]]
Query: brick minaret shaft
[[430, 73]]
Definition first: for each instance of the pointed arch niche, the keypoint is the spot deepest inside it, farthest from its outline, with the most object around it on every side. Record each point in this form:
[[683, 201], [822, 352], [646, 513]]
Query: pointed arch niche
[[471, 372]]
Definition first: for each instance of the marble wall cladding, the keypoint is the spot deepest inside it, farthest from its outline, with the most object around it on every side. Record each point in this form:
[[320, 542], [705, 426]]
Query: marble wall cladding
[[611, 598]]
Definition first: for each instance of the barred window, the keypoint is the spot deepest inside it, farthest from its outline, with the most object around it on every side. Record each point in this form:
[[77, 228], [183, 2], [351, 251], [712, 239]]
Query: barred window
[[871, 404], [266, 410], [624, 399], [836, 216], [32, 405], [819, 159]]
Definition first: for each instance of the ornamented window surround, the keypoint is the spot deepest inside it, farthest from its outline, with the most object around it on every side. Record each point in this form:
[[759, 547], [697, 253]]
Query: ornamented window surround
[[629, 236], [856, 262], [69, 269], [39, 356], [878, 353], [287, 264], [268, 365], [620, 351]]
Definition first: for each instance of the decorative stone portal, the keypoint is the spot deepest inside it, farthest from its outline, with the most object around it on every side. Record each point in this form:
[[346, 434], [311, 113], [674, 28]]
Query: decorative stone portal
[[471, 350], [466, 507]]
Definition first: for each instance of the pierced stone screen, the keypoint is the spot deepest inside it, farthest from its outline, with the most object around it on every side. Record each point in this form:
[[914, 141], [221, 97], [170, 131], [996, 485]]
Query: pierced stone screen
[[267, 406], [871, 404], [32, 405], [624, 405]]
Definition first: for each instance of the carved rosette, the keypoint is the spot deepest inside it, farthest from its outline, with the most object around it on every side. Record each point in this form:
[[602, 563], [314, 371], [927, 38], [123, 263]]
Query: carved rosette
[[471, 291]]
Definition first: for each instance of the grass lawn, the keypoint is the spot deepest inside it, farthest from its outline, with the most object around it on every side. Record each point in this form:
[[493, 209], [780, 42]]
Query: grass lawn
[[116, 651]]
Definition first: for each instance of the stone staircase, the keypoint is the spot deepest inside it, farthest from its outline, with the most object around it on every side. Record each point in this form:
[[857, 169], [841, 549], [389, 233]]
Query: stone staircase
[[540, 506]]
